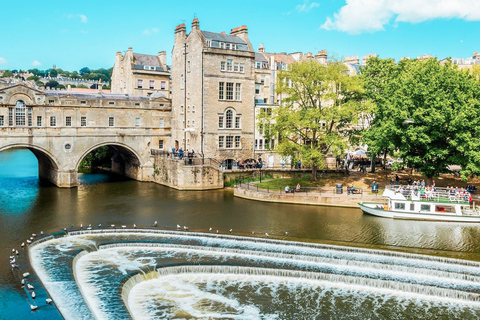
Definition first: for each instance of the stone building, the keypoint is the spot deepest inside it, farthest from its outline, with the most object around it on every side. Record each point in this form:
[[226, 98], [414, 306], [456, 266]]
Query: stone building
[[213, 92], [141, 74]]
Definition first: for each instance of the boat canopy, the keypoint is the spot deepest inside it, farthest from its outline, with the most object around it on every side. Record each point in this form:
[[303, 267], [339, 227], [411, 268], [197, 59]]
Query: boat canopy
[[392, 194]]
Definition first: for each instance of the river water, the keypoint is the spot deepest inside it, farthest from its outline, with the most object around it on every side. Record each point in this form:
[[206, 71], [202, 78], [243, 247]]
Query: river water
[[27, 207]]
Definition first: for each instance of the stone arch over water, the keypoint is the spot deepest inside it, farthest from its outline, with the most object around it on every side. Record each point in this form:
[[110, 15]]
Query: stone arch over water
[[48, 164], [126, 161]]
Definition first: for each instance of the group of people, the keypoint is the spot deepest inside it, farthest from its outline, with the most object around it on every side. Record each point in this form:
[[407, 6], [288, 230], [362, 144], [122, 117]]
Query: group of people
[[297, 189], [180, 153], [251, 164]]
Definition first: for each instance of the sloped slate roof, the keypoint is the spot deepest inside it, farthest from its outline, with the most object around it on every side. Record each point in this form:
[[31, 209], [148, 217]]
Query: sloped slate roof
[[260, 57], [96, 95], [146, 60], [222, 37]]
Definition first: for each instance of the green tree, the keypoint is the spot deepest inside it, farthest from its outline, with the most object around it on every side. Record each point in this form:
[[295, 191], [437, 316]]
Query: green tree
[[84, 71], [442, 105], [34, 78], [51, 84], [316, 116], [7, 73]]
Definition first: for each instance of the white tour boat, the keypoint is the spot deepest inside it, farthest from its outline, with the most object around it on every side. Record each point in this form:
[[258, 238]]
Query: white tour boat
[[409, 202]]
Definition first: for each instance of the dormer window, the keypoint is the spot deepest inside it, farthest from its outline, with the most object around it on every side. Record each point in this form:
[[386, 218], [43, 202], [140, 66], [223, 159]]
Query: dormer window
[[149, 68]]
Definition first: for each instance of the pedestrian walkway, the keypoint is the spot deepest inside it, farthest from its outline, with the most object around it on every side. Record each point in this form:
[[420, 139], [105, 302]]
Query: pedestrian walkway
[[316, 197]]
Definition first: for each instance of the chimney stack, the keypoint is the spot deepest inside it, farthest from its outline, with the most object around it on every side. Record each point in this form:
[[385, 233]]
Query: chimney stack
[[195, 24], [162, 56], [261, 48]]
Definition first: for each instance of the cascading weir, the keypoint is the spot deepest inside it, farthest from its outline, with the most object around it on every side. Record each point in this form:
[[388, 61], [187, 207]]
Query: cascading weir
[[161, 274]]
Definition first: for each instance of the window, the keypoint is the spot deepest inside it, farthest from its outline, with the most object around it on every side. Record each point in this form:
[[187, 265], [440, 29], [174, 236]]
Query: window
[[161, 123], [222, 45], [53, 121], [258, 65], [222, 66], [228, 142], [262, 80], [237, 141], [220, 142], [152, 84], [68, 121], [182, 82], [39, 121], [181, 109], [209, 43], [10, 116], [188, 66], [29, 114], [257, 89], [242, 67], [111, 121], [139, 83], [237, 122], [256, 144], [235, 67], [193, 109], [83, 121], [137, 104], [229, 91], [160, 144], [229, 119], [20, 113], [163, 85], [260, 144], [412, 206], [220, 121], [229, 64], [399, 206], [221, 90], [111, 103], [425, 208], [238, 92], [83, 102], [137, 122], [51, 101], [2, 121]]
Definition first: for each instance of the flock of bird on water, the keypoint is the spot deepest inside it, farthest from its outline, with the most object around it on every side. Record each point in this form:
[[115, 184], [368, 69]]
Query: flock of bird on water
[[29, 288]]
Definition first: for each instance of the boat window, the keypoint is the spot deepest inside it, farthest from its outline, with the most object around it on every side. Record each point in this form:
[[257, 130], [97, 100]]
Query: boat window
[[412, 206], [442, 208], [399, 206], [425, 207]]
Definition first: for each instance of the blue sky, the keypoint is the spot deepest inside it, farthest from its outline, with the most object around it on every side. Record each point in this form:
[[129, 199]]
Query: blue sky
[[75, 34]]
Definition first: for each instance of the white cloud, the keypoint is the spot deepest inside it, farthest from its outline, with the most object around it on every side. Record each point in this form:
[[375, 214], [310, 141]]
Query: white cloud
[[36, 63], [3, 60], [150, 31], [306, 6], [82, 17], [358, 16]]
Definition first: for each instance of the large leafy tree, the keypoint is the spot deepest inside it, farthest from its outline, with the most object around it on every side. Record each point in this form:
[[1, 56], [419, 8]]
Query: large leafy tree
[[442, 106], [319, 106]]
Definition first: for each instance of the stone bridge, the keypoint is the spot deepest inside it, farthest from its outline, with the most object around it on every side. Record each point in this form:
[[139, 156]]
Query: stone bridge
[[62, 127]]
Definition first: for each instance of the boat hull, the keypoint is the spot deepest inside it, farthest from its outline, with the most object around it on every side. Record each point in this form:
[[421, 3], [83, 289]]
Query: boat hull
[[416, 216]]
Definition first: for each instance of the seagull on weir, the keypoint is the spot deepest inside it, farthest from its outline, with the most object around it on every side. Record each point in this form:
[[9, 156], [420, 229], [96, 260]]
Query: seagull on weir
[[210, 229], [48, 301], [185, 228], [123, 226], [99, 225], [41, 232], [34, 234], [231, 230], [217, 231], [266, 234], [26, 274], [178, 226], [155, 224], [134, 226], [253, 232], [286, 233], [33, 307], [23, 244], [29, 241], [33, 295], [112, 225], [30, 287]]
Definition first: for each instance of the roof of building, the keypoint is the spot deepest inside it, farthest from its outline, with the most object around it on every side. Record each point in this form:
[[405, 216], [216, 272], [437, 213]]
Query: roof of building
[[223, 37], [281, 57], [146, 60], [260, 57], [91, 95]]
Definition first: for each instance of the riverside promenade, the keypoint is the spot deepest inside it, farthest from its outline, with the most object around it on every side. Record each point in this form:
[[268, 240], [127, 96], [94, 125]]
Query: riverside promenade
[[318, 197]]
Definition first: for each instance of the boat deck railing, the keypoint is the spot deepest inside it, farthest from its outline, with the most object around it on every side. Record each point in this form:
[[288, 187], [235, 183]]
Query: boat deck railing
[[436, 194]]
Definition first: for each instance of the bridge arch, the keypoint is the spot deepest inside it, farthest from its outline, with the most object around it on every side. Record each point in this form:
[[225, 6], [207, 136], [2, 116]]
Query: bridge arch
[[48, 164], [126, 160]]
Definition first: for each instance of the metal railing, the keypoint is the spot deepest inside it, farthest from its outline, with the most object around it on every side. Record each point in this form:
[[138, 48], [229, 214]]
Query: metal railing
[[437, 194], [281, 189]]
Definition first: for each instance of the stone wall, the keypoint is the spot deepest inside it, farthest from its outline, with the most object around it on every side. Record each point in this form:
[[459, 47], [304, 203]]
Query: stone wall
[[175, 174]]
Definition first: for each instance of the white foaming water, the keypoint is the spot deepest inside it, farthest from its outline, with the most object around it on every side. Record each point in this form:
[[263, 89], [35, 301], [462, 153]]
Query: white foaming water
[[100, 275]]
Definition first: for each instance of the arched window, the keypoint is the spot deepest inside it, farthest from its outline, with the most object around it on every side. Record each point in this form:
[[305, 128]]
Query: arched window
[[20, 113], [229, 119]]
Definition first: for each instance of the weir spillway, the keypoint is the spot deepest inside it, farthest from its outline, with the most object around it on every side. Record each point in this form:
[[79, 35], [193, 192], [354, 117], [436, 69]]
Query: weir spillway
[[158, 274]]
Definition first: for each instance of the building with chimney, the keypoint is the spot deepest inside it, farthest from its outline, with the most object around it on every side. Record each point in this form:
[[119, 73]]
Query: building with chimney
[[141, 74], [213, 92]]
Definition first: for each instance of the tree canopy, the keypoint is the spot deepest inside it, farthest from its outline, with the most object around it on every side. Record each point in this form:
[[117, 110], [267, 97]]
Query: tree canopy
[[442, 106], [320, 105]]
